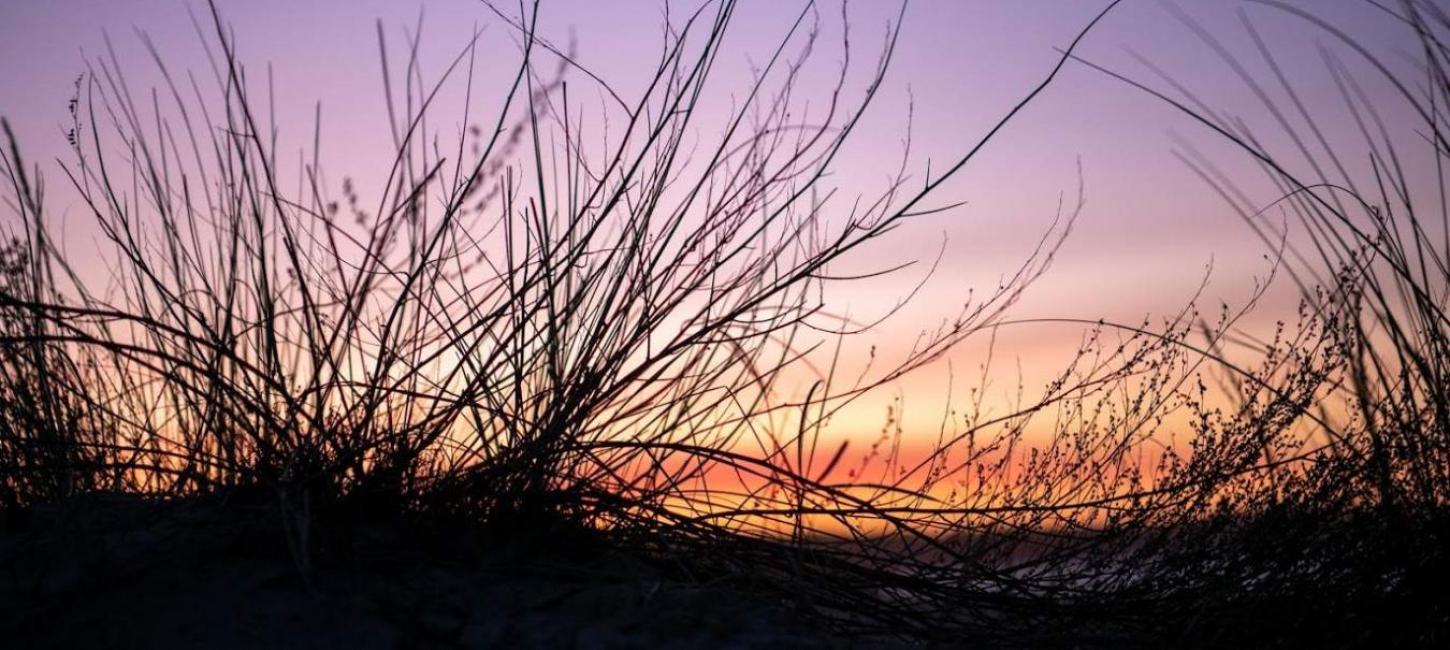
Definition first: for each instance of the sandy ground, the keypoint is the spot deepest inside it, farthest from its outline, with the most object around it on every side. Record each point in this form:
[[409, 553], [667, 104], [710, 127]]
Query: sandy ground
[[115, 573]]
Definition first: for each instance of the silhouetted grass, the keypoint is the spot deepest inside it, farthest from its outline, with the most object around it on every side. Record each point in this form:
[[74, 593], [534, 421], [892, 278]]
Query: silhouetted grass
[[568, 344]]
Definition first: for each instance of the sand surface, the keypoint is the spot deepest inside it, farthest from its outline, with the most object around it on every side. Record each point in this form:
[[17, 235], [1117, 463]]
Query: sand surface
[[117, 573]]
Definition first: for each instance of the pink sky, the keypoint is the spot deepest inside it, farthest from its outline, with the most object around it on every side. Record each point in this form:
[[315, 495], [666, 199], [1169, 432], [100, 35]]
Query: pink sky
[[1149, 230]]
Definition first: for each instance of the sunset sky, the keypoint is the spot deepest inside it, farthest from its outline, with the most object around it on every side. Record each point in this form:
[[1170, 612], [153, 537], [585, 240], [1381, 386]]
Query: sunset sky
[[1145, 239]]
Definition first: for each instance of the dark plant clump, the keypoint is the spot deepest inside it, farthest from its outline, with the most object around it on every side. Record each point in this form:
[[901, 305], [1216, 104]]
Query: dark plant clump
[[577, 334]]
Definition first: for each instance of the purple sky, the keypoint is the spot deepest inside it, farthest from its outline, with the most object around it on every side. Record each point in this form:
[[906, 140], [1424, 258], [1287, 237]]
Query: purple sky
[[1149, 229]]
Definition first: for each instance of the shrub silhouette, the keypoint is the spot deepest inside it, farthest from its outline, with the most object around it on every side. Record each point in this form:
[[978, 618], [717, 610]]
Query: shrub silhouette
[[548, 336]]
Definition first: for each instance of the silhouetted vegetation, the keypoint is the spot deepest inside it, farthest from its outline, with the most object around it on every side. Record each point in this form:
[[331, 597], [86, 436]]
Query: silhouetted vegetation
[[567, 329]]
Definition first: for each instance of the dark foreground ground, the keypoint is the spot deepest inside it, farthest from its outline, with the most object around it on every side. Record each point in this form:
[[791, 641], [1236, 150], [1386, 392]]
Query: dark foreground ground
[[111, 571], [115, 572]]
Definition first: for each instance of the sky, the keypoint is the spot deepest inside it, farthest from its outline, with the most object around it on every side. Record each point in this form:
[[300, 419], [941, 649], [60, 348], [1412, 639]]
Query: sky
[[1146, 239]]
